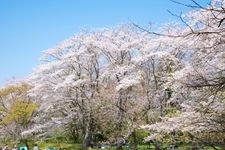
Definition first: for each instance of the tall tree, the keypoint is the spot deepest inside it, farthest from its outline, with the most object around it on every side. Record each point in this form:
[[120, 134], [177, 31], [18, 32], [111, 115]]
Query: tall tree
[[199, 85], [17, 111]]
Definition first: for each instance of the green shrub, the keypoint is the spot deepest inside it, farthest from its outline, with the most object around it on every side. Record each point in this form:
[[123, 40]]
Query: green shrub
[[140, 134]]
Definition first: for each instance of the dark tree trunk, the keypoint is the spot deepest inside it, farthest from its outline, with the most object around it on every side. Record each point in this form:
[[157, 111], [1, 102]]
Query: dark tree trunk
[[26, 143], [75, 135]]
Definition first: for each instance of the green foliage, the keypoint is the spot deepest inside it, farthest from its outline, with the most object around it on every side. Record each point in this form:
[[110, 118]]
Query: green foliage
[[68, 146], [16, 110], [99, 137], [14, 89], [15, 106], [57, 136], [171, 112], [140, 134], [20, 112]]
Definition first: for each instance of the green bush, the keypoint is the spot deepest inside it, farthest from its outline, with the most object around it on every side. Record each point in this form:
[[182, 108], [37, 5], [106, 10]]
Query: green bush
[[140, 134], [171, 111]]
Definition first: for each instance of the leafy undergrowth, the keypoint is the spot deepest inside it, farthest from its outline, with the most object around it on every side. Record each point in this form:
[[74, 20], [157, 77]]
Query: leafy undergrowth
[[67, 146]]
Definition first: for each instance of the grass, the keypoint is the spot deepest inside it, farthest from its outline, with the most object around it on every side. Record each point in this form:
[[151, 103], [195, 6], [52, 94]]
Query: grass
[[69, 146], [140, 147]]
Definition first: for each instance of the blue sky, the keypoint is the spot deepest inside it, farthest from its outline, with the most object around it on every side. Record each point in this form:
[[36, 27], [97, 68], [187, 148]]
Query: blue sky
[[28, 27]]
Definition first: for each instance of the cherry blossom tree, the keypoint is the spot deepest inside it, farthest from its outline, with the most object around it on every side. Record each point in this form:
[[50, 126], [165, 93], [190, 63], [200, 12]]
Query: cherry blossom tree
[[199, 85], [111, 81], [72, 80]]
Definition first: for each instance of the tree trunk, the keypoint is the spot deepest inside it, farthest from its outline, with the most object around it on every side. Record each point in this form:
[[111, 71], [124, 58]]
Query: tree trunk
[[26, 143], [86, 142], [75, 134], [86, 139]]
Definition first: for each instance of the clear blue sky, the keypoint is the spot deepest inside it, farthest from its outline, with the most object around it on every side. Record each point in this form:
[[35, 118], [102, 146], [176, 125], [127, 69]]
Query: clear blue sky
[[28, 27]]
